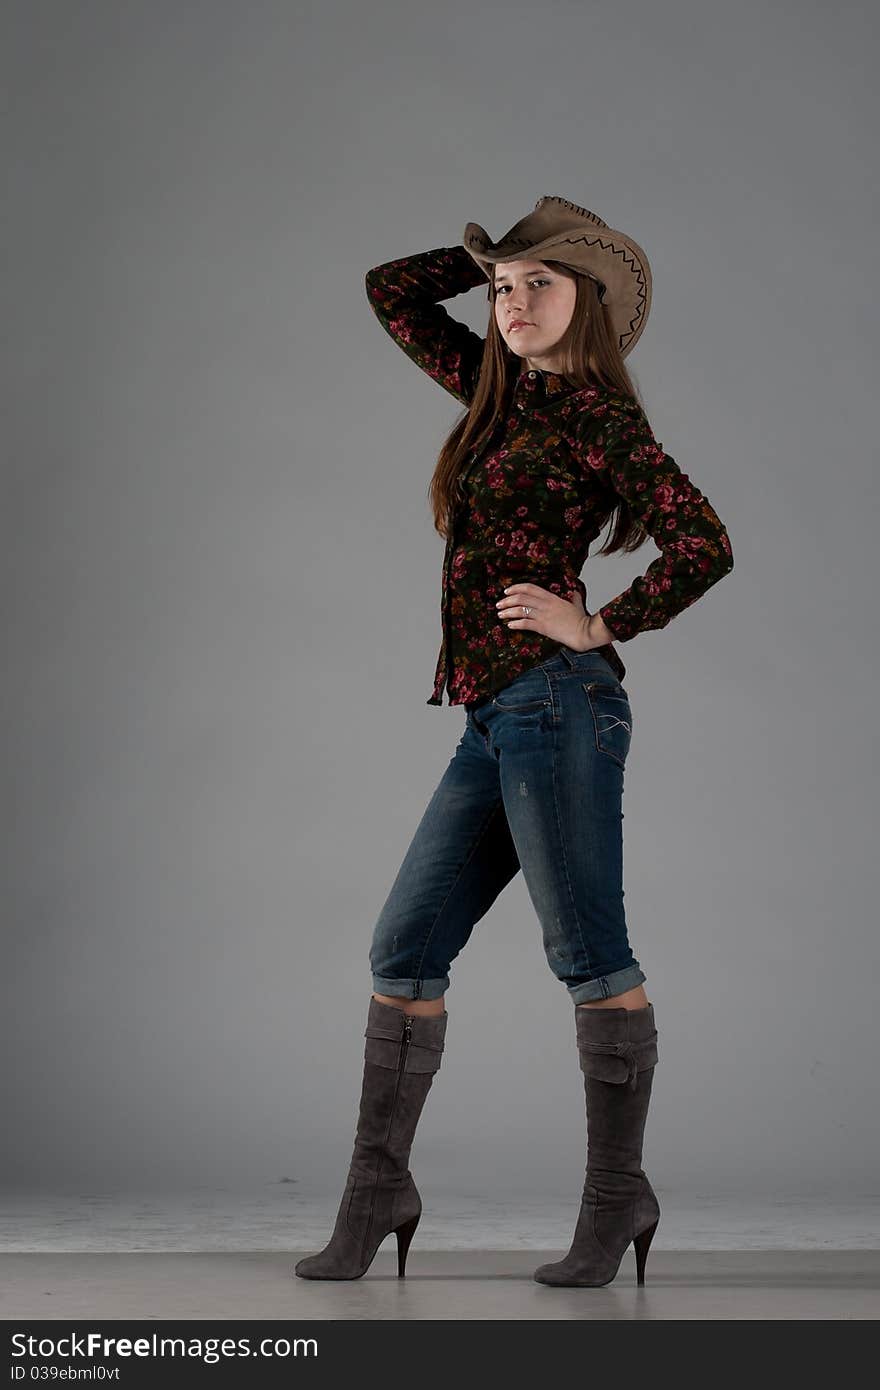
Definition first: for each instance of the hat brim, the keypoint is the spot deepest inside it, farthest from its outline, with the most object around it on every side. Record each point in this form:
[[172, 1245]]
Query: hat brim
[[601, 252]]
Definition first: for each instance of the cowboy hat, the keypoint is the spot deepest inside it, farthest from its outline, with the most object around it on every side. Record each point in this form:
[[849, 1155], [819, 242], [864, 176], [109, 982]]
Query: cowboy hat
[[558, 230]]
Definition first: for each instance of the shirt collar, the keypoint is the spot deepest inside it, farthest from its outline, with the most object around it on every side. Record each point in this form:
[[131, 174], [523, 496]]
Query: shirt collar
[[534, 384]]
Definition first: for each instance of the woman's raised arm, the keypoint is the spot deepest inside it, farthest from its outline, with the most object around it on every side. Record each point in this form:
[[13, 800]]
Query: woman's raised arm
[[405, 296]]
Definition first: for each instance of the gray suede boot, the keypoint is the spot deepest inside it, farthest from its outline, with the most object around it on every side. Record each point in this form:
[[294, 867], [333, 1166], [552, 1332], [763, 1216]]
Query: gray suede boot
[[618, 1053], [401, 1055]]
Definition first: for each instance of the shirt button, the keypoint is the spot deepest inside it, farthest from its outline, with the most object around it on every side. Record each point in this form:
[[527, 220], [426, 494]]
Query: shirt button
[[533, 375]]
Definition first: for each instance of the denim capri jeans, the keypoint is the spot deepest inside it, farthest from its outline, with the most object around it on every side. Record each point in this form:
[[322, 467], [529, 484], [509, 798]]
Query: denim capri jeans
[[536, 783]]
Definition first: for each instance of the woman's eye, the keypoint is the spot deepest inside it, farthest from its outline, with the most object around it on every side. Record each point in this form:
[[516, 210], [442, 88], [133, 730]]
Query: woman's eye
[[538, 281]]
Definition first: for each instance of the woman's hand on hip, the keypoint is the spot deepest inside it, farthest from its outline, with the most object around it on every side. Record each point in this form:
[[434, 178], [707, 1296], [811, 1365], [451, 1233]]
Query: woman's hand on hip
[[561, 619]]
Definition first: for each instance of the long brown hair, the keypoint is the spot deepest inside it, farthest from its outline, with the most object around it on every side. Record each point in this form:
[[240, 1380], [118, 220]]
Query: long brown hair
[[590, 356]]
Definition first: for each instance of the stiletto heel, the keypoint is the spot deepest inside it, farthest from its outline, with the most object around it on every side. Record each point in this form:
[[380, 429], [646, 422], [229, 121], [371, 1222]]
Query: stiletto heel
[[641, 1243], [405, 1234]]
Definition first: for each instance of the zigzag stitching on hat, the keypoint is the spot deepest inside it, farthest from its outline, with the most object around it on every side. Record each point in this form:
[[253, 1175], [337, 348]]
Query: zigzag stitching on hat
[[513, 241], [628, 260], [563, 202]]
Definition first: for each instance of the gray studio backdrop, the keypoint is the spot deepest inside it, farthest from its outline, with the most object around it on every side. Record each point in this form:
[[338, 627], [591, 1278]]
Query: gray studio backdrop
[[221, 583]]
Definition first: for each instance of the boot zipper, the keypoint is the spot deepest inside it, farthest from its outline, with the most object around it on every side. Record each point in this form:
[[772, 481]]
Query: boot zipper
[[404, 1049]]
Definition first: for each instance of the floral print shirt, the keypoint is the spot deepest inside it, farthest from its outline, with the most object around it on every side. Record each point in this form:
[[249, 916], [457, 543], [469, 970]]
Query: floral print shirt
[[534, 497]]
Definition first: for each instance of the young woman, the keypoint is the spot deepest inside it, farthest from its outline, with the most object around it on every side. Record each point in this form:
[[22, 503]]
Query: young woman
[[554, 444]]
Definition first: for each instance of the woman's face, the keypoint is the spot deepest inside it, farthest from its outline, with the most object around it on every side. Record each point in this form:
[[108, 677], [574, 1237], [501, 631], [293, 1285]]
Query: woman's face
[[544, 299]]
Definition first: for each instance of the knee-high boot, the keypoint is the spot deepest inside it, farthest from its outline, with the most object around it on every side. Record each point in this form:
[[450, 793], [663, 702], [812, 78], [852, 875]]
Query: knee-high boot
[[618, 1052], [401, 1055]]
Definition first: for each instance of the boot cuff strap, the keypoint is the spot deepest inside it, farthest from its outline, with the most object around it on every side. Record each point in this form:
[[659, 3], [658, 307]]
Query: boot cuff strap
[[618, 1062], [386, 1048]]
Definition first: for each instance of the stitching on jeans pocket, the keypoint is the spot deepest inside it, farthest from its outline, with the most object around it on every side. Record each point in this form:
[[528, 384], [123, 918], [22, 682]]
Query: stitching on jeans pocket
[[612, 719], [526, 707]]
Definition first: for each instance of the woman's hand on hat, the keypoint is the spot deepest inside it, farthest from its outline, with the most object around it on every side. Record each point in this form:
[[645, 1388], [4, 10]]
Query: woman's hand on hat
[[561, 619]]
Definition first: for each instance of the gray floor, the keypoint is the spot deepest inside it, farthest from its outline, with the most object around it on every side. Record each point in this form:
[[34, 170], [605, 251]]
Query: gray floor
[[224, 1254], [453, 1284]]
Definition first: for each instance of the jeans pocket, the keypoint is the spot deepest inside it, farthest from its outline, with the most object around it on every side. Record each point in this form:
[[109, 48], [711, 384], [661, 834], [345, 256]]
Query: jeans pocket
[[526, 694], [612, 718], [521, 706]]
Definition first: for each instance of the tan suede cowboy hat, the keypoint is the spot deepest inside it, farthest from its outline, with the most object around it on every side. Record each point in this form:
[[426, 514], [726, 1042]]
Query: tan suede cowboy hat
[[561, 231]]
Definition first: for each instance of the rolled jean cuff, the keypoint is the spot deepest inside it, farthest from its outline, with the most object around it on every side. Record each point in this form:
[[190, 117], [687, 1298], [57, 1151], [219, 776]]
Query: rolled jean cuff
[[411, 989], [606, 986]]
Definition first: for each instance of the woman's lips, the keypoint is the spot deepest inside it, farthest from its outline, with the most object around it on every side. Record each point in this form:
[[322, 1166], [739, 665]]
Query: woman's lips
[[515, 327]]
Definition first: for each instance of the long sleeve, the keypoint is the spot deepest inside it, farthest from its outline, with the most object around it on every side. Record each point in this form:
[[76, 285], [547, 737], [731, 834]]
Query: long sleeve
[[405, 296], [694, 544]]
